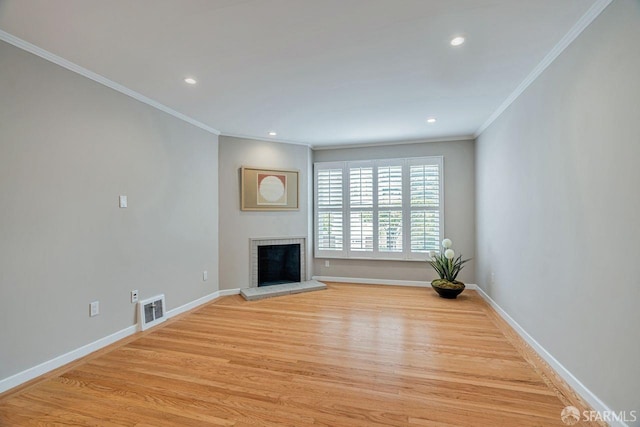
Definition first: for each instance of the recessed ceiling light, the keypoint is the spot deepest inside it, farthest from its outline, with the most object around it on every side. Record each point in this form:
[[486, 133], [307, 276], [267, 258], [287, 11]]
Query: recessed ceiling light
[[272, 133], [190, 81], [431, 120], [457, 41]]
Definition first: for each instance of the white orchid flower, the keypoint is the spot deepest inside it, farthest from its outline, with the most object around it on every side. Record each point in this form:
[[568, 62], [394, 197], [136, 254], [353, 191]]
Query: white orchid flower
[[449, 253], [446, 243]]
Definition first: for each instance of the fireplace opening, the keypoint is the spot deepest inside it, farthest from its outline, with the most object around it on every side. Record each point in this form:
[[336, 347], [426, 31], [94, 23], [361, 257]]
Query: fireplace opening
[[278, 264]]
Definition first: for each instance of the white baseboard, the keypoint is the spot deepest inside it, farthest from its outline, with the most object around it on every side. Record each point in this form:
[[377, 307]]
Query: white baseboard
[[193, 304], [50, 365], [43, 368], [571, 380], [363, 281]]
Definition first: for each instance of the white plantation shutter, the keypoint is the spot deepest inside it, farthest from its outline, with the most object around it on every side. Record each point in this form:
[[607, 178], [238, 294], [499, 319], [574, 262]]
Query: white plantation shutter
[[425, 204], [390, 209], [361, 208], [329, 188], [329, 210], [390, 186], [361, 187], [361, 229], [330, 231], [390, 231], [425, 227], [390, 196]]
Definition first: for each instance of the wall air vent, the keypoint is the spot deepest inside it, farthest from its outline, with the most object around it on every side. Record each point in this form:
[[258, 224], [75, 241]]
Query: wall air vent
[[151, 312]]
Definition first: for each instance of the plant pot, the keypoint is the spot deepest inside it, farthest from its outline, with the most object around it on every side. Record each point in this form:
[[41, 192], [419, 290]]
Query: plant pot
[[447, 289]]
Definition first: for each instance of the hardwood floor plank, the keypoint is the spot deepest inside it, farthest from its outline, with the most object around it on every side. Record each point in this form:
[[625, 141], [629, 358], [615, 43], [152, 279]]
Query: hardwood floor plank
[[352, 355]]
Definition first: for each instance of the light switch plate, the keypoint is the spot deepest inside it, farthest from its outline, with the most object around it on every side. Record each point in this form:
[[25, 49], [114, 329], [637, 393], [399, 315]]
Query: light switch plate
[[123, 201], [205, 275]]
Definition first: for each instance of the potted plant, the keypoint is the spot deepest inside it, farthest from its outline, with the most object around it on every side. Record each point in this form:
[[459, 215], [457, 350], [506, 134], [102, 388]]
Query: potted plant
[[447, 266]]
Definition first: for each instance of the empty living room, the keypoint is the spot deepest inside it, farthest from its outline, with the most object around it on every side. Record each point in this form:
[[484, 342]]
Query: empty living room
[[319, 213]]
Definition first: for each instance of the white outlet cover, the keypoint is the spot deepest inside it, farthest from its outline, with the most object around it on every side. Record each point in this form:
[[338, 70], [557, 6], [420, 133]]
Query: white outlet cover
[[205, 275], [123, 201], [134, 296], [94, 308]]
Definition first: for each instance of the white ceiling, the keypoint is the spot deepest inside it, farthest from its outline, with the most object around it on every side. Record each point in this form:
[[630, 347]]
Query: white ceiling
[[320, 72]]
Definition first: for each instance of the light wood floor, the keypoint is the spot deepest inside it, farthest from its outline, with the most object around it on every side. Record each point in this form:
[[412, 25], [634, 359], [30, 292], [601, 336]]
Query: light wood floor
[[352, 355]]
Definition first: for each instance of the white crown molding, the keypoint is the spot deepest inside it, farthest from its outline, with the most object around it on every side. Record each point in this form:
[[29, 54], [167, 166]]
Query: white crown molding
[[42, 53], [593, 12], [266, 139], [346, 146], [363, 281], [387, 143], [563, 372]]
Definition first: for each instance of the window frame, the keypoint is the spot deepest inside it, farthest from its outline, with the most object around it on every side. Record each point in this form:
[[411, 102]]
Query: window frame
[[375, 254]]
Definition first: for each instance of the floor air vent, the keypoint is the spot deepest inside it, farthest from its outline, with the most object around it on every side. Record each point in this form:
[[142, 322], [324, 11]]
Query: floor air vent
[[151, 312]]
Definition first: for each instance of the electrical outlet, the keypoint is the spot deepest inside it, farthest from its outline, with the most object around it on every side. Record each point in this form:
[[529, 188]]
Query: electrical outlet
[[205, 275], [493, 278], [327, 263], [94, 308], [134, 295], [122, 201]]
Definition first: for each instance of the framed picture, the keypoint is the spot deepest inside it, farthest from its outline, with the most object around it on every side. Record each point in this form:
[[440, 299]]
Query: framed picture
[[269, 189]]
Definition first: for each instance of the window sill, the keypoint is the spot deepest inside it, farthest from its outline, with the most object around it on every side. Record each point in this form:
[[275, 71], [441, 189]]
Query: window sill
[[370, 258]]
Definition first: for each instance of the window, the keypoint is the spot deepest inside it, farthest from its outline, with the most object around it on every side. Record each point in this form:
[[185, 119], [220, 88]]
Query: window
[[389, 209]]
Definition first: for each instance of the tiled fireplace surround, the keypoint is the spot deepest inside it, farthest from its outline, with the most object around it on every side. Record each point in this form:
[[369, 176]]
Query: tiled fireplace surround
[[253, 254]]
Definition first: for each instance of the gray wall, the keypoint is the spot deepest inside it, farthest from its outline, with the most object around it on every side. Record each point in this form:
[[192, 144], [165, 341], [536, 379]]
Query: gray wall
[[68, 148], [236, 226], [558, 202], [459, 209]]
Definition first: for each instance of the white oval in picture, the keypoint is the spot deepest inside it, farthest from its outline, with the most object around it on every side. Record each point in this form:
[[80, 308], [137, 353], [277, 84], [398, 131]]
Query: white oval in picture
[[271, 189]]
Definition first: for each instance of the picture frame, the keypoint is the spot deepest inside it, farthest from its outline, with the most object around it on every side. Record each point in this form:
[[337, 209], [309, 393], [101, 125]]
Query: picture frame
[[266, 189]]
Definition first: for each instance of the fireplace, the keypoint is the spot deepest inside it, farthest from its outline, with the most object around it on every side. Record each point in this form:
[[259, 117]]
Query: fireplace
[[278, 264], [276, 255]]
